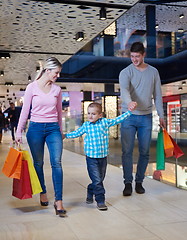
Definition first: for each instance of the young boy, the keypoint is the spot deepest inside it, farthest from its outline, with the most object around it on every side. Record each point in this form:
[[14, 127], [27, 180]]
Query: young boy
[[96, 144]]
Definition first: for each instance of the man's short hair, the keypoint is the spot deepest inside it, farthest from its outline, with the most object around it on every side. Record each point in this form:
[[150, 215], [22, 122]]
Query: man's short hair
[[138, 47], [96, 105]]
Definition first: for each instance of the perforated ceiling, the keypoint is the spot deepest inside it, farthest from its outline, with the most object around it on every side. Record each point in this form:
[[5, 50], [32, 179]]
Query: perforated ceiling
[[44, 27], [33, 26]]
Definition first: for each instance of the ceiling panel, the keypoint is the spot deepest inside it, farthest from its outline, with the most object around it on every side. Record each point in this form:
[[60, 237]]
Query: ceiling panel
[[43, 27], [32, 26]]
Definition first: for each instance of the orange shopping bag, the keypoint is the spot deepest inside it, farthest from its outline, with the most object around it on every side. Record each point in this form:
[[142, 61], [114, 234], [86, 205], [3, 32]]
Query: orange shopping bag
[[168, 145], [13, 163]]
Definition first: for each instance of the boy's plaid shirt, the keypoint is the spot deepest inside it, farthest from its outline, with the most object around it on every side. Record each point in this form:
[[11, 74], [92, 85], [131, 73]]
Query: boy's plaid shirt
[[96, 140]]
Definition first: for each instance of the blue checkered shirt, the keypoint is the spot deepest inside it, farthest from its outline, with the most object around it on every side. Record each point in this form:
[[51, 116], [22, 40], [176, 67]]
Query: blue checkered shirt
[[96, 141]]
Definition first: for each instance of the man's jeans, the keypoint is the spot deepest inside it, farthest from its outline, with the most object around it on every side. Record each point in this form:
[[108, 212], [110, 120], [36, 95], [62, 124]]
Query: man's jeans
[[37, 135], [142, 125], [13, 126], [96, 170]]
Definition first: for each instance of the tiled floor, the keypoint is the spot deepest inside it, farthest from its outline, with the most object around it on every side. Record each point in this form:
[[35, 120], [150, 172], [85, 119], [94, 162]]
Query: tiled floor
[[160, 213]]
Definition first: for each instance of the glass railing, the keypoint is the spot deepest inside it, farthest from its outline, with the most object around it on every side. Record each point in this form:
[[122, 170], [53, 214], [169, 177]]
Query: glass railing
[[175, 172]]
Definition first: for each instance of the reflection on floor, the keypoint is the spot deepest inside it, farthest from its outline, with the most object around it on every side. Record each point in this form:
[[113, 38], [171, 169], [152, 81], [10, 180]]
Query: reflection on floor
[[114, 158], [159, 214]]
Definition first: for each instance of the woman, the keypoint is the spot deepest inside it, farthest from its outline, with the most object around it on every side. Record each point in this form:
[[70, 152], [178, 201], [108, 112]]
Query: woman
[[45, 127]]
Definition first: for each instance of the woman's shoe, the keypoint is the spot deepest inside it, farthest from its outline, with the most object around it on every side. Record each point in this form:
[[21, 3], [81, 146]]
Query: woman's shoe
[[44, 204], [60, 213]]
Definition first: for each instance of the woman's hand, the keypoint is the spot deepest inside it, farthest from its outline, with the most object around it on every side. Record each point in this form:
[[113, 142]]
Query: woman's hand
[[18, 140]]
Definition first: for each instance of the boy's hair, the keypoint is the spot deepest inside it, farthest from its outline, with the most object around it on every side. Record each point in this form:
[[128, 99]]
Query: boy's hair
[[96, 105], [138, 47]]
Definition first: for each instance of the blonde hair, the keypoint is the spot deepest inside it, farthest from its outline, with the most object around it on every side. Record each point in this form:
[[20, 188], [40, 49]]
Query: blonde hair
[[96, 105], [50, 63]]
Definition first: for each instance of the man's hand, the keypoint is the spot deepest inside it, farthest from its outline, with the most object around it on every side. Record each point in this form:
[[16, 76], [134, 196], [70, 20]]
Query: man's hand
[[132, 106], [162, 123]]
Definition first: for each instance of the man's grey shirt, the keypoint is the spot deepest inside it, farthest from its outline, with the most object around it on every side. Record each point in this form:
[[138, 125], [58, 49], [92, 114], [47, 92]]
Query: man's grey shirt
[[141, 87]]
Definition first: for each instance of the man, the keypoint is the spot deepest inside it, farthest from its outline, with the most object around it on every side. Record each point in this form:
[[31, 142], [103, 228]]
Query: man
[[139, 83], [13, 115]]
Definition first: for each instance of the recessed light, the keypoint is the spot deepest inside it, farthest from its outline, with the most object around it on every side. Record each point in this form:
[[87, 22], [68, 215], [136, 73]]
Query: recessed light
[[102, 13], [180, 30], [79, 36]]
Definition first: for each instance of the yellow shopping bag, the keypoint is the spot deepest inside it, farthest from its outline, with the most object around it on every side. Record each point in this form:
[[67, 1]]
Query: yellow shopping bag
[[35, 184]]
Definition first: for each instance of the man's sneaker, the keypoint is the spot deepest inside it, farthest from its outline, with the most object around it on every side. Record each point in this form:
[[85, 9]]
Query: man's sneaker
[[89, 200], [139, 189], [128, 189], [102, 207]]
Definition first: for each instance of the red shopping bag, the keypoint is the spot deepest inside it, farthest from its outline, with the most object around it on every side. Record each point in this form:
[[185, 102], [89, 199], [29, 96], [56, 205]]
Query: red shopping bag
[[12, 165], [177, 152], [168, 145], [22, 187]]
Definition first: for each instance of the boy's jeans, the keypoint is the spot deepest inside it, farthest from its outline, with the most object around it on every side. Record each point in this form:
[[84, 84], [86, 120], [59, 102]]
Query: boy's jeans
[[37, 135], [142, 124], [96, 170]]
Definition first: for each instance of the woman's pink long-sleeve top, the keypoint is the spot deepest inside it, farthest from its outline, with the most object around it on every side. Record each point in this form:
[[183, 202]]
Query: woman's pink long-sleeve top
[[45, 107]]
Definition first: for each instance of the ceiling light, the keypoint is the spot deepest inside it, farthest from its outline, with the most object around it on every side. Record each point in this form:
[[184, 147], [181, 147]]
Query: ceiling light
[[2, 73], [9, 84], [79, 36], [37, 69], [156, 26], [181, 16], [29, 78], [179, 88], [102, 13], [180, 30], [183, 82], [4, 55]]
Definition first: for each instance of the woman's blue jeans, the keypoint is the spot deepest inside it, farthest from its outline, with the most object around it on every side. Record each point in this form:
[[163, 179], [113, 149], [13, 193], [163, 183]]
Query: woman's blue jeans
[[38, 134], [142, 125], [96, 170]]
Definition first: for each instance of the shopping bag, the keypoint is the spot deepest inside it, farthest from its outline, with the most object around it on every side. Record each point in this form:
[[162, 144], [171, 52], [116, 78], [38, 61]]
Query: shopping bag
[[22, 187], [177, 152], [168, 145], [12, 165], [35, 184], [160, 158]]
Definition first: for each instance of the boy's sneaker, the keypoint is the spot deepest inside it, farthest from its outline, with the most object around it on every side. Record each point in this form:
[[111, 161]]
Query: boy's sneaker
[[89, 200], [102, 207]]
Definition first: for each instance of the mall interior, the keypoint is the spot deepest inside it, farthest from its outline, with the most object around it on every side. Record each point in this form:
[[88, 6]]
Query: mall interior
[[92, 40]]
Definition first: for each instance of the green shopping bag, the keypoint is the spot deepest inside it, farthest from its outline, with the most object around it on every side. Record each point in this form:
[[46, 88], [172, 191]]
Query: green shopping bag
[[160, 159]]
